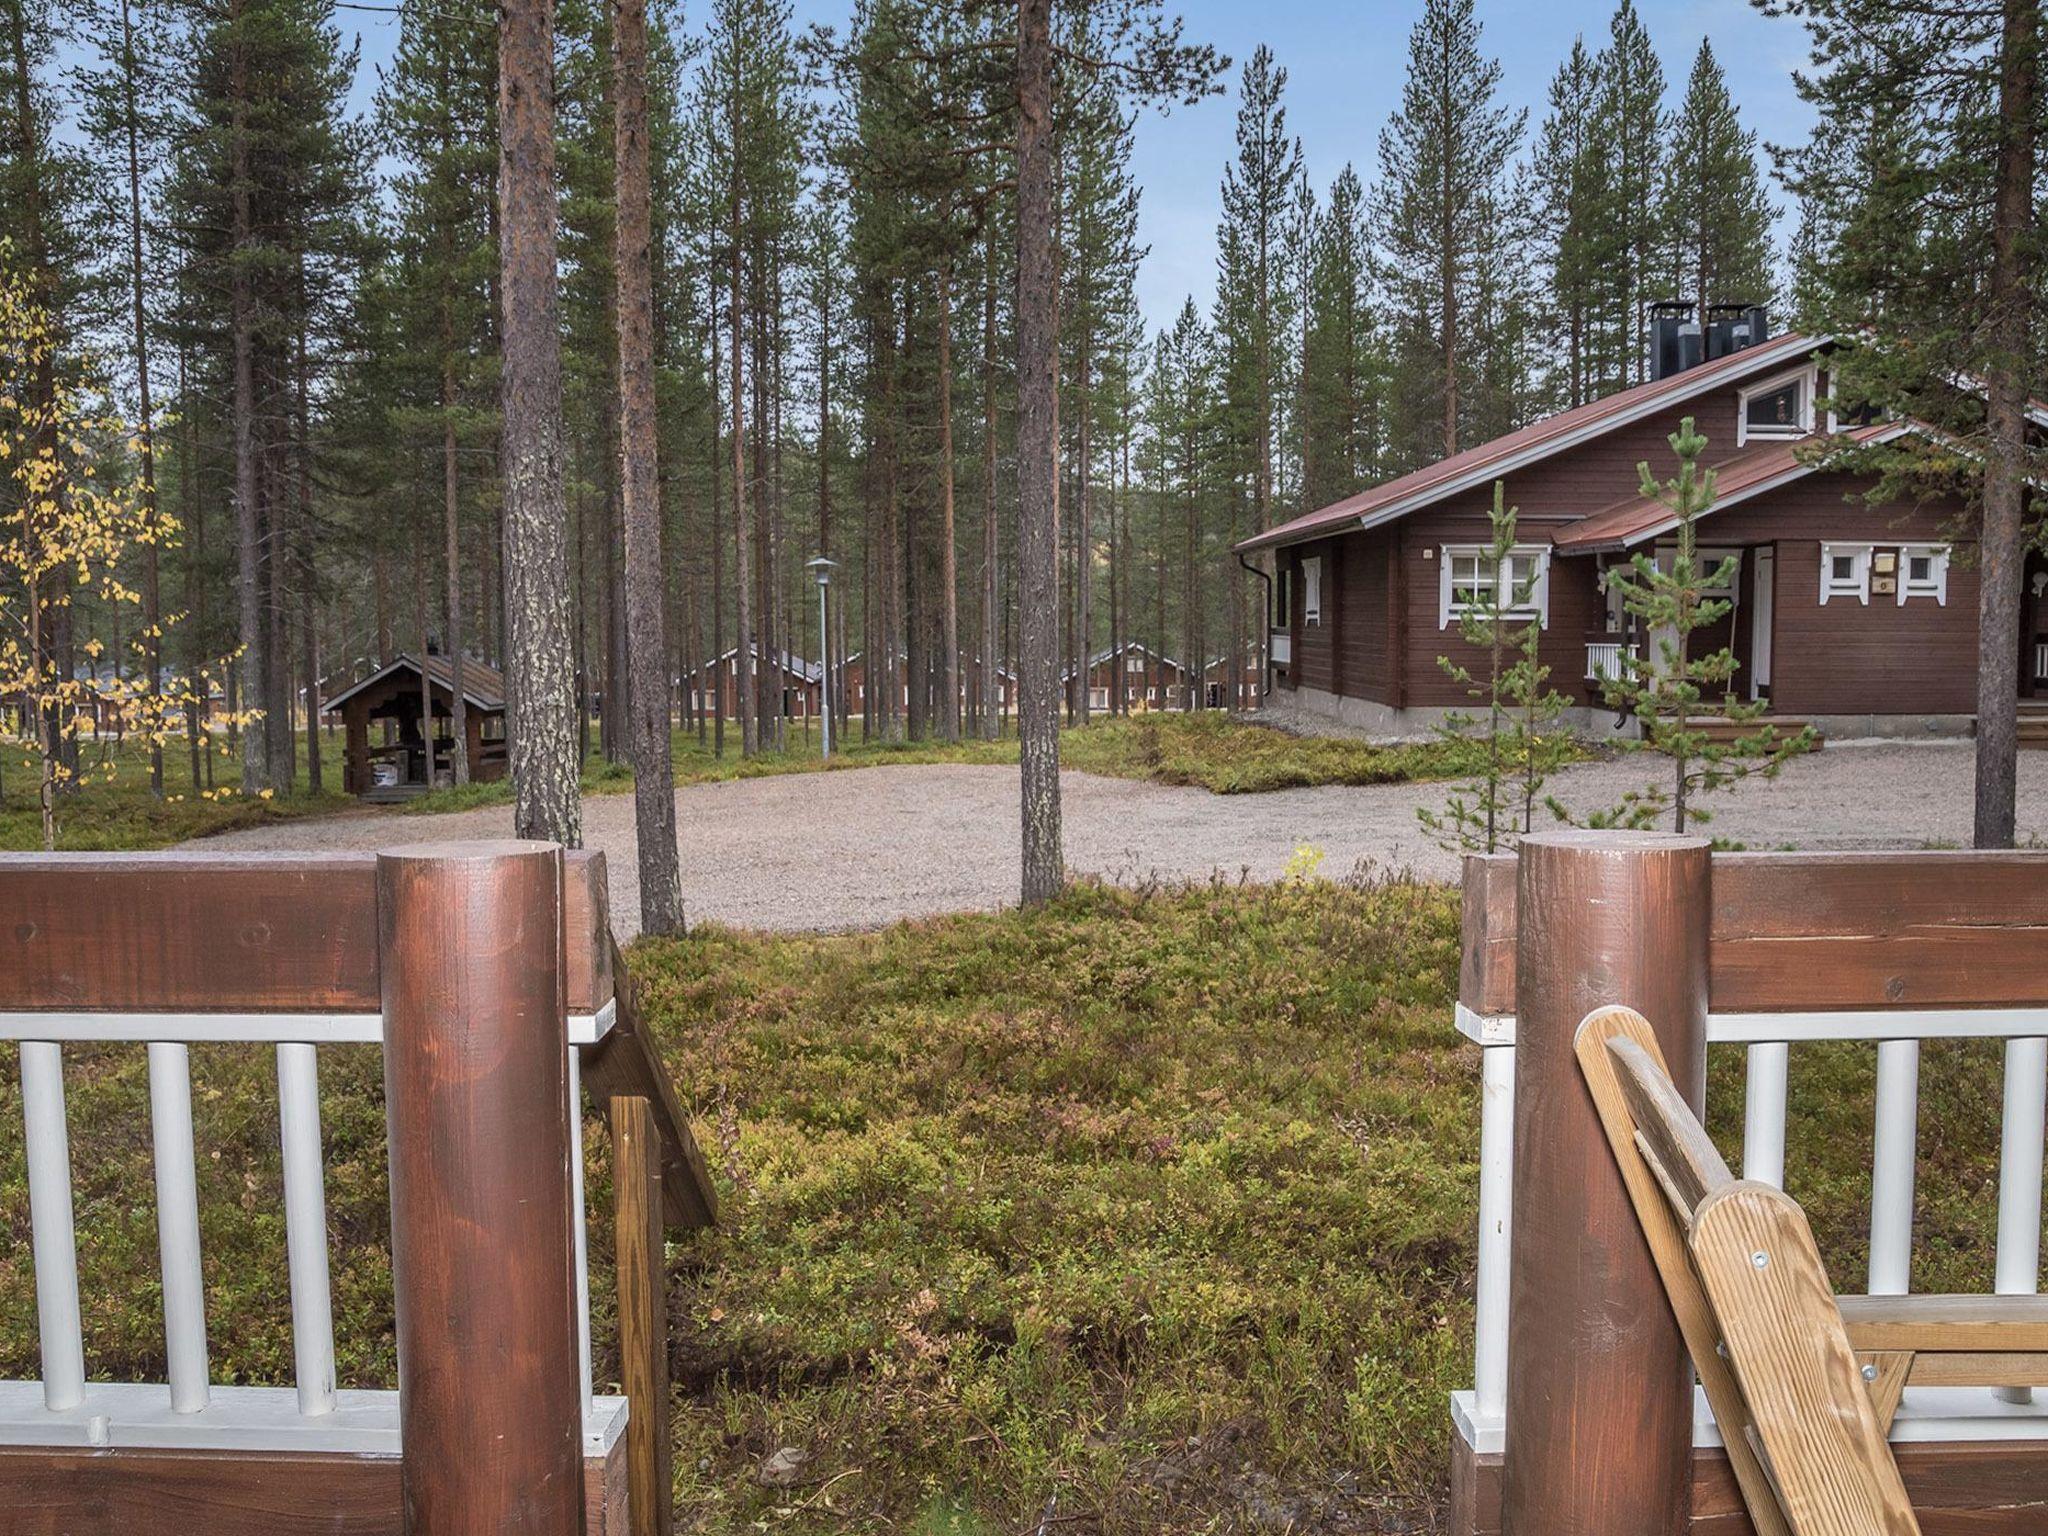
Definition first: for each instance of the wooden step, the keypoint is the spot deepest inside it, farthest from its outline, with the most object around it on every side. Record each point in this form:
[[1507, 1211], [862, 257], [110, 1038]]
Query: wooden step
[[1720, 729]]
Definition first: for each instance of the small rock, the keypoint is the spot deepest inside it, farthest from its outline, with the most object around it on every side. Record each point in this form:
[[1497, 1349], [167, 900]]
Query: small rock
[[782, 1469]]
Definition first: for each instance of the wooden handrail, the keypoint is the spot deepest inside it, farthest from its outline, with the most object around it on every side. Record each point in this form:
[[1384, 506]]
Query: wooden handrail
[[626, 1064]]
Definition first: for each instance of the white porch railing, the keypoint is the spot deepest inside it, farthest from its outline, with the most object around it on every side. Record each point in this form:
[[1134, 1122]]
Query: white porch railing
[[1603, 658], [1927, 1413], [2041, 661], [188, 1411], [1280, 646]]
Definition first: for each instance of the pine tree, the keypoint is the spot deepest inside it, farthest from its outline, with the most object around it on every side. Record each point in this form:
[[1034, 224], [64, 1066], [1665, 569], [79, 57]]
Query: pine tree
[[1920, 197], [1664, 691], [1344, 364], [1444, 160], [1629, 122], [1716, 216], [1569, 170], [1516, 744]]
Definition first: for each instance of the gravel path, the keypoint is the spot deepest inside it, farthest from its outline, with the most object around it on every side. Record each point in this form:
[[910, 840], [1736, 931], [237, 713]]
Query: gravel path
[[864, 847]]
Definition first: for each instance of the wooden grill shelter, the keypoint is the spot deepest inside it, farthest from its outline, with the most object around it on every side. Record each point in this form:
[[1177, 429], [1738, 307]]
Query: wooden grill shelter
[[395, 766]]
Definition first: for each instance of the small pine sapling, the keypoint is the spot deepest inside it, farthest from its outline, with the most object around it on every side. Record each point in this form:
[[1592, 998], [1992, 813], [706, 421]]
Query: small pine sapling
[[1512, 743], [1664, 691]]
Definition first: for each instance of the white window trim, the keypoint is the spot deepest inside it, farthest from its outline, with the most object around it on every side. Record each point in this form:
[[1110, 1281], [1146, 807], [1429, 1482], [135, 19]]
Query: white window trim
[[1539, 593], [1936, 586], [1312, 590], [1706, 559], [1807, 377], [1859, 581]]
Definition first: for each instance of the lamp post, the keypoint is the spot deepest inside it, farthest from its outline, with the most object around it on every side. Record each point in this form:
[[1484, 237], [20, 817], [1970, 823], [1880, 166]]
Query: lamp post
[[821, 571]]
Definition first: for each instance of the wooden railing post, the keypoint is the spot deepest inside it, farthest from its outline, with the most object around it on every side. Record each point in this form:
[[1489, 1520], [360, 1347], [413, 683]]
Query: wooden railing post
[[643, 1315], [476, 1099], [1599, 1391]]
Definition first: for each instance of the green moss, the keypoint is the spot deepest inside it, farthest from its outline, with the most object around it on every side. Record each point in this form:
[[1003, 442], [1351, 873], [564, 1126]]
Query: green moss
[[1153, 1211]]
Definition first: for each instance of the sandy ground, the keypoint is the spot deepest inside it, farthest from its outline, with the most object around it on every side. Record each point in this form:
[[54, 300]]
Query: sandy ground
[[864, 847]]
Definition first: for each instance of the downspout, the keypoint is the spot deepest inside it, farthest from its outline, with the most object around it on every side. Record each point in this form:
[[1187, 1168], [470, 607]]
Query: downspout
[[1266, 632]]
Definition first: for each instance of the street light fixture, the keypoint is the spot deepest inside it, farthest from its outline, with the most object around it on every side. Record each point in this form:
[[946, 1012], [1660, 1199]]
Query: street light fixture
[[821, 571]]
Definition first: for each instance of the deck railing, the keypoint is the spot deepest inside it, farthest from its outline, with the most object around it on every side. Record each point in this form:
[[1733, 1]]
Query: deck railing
[[1603, 658], [1884, 949], [470, 968]]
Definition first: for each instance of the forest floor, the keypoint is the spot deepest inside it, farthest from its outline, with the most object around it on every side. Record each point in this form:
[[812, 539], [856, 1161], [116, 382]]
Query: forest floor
[[1140, 1212], [857, 850]]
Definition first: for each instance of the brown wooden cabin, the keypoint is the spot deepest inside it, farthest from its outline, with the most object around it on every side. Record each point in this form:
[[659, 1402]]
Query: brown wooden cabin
[[1005, 681], [387, 704], [801, 681], [1849, 614], [1149, 679]]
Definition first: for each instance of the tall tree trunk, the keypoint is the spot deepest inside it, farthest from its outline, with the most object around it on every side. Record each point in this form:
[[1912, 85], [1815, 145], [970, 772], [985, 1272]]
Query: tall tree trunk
[[542, 706], [451, 531], [242, 321], [743, 576], [152, 575], [949, 556], [1038, 512], [2001, 553], [654, 796], [989, 663], [302, 550]]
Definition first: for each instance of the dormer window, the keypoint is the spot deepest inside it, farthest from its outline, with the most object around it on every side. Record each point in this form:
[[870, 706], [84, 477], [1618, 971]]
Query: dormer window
[[1776, 409]]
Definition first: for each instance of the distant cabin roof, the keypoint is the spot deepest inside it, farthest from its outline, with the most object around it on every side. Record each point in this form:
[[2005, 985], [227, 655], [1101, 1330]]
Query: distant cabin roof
[[482, 687], [1487, 461]]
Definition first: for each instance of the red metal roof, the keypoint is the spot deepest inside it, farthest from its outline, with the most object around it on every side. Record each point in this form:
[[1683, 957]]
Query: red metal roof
[[1635, 518], [1447, 477]]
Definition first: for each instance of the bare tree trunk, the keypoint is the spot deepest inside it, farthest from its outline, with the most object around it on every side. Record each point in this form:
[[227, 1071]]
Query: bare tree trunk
[[743, 576], [152, 578], [1038, 512], [949, 555], [542, 706], [2001, 552], [654, 794], [989, 665], [242, 311], [452, 536]]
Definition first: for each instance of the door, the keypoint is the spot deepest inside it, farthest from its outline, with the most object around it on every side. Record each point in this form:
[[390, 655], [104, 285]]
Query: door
[[1762, 602]]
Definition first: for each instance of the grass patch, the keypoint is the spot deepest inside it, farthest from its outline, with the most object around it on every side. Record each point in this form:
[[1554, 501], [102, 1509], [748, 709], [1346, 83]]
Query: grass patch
[[1153, 1207], [110, 805], [1208, 749]]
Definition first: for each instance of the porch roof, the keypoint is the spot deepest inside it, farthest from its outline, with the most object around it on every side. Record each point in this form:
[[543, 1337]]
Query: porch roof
[[1634, 519], [482, 687]]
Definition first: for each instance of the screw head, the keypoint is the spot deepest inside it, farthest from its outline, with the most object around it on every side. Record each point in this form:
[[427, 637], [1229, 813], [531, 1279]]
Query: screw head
[[1870, 1373], [1760, 1260]]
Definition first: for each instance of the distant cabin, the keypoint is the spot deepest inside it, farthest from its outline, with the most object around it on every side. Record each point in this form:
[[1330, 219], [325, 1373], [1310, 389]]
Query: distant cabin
[[386, 756], [1858, 617]]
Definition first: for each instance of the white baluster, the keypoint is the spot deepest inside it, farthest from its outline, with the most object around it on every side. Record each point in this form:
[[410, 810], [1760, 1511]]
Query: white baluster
[[1496, 1169], [49, 1206], [177, 1223], [580, 1223], [1891, 1171], [1763, 1113], [305, 1225], [2019, 1178]]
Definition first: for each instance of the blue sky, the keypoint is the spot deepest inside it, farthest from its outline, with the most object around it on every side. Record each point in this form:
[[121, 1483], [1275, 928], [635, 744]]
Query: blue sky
[[1345, 64]]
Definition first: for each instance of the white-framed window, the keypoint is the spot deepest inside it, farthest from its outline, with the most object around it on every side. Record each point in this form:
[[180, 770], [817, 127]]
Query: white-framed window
[[1923, 572], [1283, 599], [1467, 572], [1098, 698], [1707, 563], [1312, 590], [1134, 661], [1845, 572], [1777, 408]]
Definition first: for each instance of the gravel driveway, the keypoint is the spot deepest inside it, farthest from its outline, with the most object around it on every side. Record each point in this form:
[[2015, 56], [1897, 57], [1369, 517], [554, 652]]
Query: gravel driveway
[[864, 847]]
